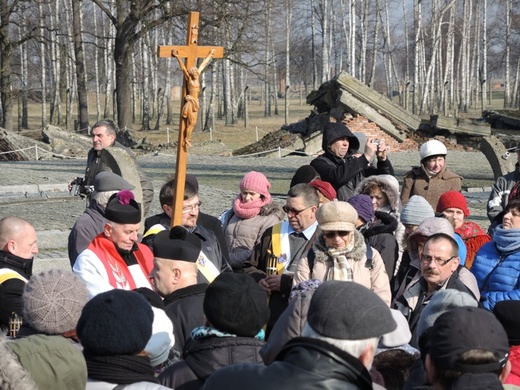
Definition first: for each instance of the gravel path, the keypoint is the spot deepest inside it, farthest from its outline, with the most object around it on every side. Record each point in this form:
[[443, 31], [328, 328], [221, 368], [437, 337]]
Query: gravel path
[[54, 213]]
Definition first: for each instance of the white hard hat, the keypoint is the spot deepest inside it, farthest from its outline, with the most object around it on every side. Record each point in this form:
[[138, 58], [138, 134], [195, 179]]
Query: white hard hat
[[432, 148]]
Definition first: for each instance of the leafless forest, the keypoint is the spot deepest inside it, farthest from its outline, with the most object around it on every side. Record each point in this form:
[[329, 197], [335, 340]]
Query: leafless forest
[[85, 59]]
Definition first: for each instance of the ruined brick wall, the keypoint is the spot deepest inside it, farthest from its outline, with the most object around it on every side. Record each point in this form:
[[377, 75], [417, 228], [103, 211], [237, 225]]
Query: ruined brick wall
[[360, 124]]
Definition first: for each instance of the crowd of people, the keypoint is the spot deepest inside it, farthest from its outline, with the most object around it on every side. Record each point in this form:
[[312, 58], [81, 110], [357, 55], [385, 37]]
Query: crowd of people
[[355, 282]]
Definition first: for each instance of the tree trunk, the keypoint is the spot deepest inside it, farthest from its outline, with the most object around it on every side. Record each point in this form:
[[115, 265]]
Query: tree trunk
[[42, 66], [287, 57], [507, 96], [80, 65], [145, 91]]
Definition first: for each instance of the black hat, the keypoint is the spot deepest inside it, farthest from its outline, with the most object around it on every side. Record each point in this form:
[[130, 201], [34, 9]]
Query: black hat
[[305, 174], [122, 208], [177, 244], [349, 311], [463, 329], [116, 322], [236, 304], [507, 312]]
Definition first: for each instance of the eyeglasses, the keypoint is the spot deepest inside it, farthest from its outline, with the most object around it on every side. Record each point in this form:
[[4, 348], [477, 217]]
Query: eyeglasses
[[439, 262], [334, 233], [290, 210], [190, 208]]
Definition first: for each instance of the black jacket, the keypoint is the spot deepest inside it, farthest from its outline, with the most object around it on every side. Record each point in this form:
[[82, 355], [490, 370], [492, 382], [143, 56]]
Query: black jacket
[[380, 235], [184, 308], [303, 363], [11, 290], [346, 173], [205, 356]]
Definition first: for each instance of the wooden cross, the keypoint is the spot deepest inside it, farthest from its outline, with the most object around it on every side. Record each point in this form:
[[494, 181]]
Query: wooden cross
[[189, 102]]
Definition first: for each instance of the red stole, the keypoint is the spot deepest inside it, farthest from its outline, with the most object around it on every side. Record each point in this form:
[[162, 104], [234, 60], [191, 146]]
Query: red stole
[[119, 275]]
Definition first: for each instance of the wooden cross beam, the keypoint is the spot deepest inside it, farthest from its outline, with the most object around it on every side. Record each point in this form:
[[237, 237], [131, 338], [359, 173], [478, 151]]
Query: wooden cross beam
[[189, 102]]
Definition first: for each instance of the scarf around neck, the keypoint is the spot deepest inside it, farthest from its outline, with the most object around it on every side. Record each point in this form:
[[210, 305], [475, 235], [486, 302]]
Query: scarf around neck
[[249, 209], [120, 369], [507, 240]]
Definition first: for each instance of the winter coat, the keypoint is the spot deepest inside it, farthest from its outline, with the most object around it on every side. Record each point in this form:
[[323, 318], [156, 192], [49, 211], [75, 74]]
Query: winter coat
[[101, 385], [499, 196], [118, 161], [87, 227], [413, 300], [184, 308], [304, 363], [514, 358], [346, 173], [53, 362], [16, 272], [203, 357], [205, 220], [242, 234], [380, 236], [256, 266], [390, 187], [12, 374], [375, 278], [417, 182], [289, 326], [497, 273]]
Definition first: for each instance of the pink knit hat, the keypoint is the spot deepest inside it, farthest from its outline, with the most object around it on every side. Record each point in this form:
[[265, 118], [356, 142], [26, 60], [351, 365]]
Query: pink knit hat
[[453, 199], [255, 181]]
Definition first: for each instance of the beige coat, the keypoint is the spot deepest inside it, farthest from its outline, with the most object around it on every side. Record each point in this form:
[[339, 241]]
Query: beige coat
[[376, 278]]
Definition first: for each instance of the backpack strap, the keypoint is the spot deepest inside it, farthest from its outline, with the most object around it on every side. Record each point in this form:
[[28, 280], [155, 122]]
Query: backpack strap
[[370, 256]]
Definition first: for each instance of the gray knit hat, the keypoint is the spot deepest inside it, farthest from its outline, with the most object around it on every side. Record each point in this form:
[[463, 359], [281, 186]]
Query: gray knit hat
[[416, 211], [53, 301], [337, 215]]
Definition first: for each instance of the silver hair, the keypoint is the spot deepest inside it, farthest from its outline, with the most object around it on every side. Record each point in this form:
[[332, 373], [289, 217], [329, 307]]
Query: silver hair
[[102, 197]]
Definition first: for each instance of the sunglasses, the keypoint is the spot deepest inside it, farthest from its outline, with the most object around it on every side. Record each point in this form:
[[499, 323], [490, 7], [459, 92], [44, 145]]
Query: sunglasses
[[290, 210], [334, 233]]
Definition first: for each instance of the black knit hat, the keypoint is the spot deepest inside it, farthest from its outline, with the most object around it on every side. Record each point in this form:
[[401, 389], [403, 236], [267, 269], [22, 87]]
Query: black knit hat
[[116, 322], [463, 329], [349, 311], [236, 304], [305, 174], [177, 244], [122, 208], [507, 312]]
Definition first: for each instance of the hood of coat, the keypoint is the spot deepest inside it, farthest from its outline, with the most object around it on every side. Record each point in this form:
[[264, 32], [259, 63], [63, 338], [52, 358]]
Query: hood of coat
[[207, 355], [12, 374], [357, 253], [429, 227], [332, 133], [388, 185]]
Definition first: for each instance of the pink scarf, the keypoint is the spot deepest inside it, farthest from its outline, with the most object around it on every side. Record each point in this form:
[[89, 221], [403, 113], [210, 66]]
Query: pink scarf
[[250, 209]]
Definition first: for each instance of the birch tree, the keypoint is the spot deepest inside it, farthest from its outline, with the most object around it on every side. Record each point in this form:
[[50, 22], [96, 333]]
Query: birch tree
[[81, 76]]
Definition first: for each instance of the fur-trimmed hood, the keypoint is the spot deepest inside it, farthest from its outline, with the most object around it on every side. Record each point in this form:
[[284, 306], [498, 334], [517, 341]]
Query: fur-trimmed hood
[[272, 208], [388, 185], [12, 374], [429, 227], [357, 253]]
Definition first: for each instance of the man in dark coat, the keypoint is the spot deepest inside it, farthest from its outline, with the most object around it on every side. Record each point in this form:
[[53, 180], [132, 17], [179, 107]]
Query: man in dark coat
[[335, 351], [17, 249], [208, 228], [277, 254], [235, 309], [342, 165], [174, 275]]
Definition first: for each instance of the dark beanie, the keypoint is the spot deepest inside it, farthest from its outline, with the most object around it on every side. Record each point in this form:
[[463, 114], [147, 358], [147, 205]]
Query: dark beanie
[[236, 304], [363, 205], [116, 322], [177, 244], [305, 174], [122, 208], [349, 311]]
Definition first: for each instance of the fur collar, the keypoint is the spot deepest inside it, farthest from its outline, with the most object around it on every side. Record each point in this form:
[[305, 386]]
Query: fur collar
[[388, 188]]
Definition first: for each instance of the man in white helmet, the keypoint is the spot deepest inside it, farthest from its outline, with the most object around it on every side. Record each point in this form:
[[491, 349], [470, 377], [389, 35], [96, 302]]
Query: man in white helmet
[[431, 179]]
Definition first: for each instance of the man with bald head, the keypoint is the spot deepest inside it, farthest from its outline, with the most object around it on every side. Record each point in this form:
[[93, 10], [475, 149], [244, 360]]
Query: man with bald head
[[17, 249]]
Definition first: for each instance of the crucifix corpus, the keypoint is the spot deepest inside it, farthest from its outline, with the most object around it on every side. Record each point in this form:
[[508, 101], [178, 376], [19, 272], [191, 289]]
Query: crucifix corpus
[[189, 102]]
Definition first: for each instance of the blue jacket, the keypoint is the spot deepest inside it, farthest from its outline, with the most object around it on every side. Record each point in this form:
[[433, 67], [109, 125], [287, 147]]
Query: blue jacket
[[497, 274]]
